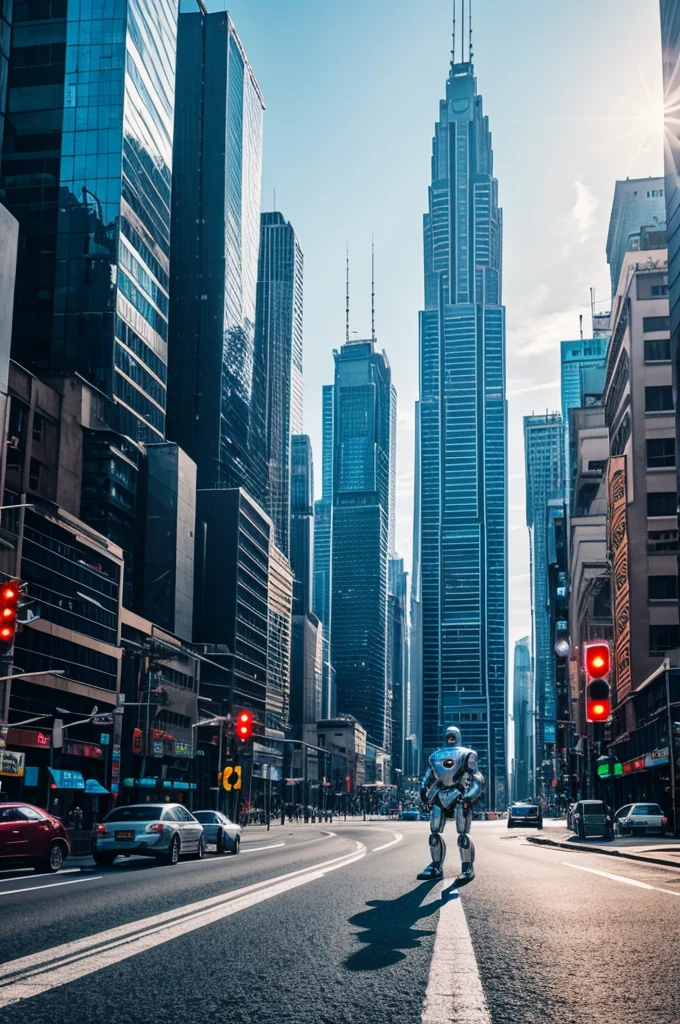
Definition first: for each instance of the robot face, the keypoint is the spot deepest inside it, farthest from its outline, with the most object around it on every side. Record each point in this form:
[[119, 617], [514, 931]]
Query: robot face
[[453, 736]]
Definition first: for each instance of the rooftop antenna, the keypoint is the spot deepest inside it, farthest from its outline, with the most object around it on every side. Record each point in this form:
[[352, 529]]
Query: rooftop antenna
[[580, 325], [347, 293], [453, 46], [372, 287], [274, 207], [470, 28], [462, 35]]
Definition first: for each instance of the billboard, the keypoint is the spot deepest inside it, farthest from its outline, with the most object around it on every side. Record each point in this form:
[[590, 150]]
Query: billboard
[[618, 541]]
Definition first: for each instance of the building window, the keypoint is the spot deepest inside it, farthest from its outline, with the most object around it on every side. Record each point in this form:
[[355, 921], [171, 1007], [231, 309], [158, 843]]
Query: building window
[[655, 323], [663, 588], [657, 350], [34, 475], [660, 452], [662, 540], [662, 503], [38, 428], [659, 398], [663, 639]]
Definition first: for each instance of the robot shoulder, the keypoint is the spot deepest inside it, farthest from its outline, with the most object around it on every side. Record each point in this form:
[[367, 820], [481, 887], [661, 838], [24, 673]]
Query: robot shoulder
[[471, 761]]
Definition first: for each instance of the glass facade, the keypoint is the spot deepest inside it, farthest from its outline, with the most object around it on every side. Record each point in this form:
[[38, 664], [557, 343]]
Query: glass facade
[[279, 642], [670, 44], [544, 455], [215, 233], [638, 203], [523, 719], [360, 531], [463, 440], [322, 516], [398, 659], [5, 38], [278, 365], [302, 522]]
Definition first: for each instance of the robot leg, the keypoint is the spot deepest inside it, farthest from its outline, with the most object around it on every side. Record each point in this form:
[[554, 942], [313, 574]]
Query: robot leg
[[435, 869], [465, 845]]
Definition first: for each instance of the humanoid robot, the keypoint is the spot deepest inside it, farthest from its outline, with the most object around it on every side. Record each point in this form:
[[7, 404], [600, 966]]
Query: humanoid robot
[[451, 785]]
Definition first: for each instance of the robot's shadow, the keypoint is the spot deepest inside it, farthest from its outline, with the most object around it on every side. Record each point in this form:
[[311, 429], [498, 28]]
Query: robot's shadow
[[390, 927]]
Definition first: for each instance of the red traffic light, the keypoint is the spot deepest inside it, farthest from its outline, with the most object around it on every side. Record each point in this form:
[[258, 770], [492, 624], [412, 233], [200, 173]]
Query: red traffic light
[[9, 599], [244, 725], [597, 659], [598, 710]]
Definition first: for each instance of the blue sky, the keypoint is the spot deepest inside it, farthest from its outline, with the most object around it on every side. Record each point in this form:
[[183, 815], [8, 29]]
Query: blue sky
[[573, 94]]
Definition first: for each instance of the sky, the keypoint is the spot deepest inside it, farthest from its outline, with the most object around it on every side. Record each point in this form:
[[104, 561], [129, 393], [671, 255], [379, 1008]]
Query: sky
[[574, 98]]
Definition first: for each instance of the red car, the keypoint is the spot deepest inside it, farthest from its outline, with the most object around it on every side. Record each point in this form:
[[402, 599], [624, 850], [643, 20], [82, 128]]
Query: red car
[[30, 837]]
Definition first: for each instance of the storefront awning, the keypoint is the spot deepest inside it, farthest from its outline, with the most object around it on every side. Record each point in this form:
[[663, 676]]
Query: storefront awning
[[66, 779], [92, 786]]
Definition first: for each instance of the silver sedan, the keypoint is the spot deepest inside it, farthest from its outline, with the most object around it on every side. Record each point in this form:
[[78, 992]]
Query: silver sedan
[[163, 831], [220, 830]]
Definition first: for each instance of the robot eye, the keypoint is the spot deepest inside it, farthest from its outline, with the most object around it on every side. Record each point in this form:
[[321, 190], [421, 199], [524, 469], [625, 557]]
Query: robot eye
[[448, 762]]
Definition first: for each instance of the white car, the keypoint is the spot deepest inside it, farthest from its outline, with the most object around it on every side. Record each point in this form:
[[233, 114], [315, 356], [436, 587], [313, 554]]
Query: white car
[[640, 819], [220, 830]]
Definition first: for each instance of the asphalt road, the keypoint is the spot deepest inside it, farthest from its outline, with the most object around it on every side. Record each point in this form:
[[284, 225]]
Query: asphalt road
[[335, 928]]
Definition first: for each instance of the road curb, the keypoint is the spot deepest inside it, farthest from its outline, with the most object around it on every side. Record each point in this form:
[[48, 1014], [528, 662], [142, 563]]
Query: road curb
[[540, 841]]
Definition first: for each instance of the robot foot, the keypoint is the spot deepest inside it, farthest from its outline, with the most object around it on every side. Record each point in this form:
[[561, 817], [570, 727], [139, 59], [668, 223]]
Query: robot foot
[[467, 873], [431, 873]]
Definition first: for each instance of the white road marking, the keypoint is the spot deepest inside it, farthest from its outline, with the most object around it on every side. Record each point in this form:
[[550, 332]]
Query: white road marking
[[50, 885], [398, 838], [256, 849], [29, 873], [621, 878], [454, 989], [40, 972]]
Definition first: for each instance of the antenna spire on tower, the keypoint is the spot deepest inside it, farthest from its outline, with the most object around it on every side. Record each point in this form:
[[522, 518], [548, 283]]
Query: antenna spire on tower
[[462, 35], [347, 292], [453, 46], [470, 31], [372, 287]]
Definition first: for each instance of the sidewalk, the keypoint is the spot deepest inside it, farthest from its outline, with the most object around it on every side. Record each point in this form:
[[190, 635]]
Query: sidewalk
[[654, 850]]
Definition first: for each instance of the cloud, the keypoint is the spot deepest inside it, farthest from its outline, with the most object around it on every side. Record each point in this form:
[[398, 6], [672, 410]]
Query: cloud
[[533, 387], [583, 211]]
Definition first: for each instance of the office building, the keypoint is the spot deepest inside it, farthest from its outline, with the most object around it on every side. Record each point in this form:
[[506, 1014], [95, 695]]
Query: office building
[[523, 719], [670, 46], [399, 661], [545, 479], [302, 522], [87, 167], [322, 517], [360, 532], [215, 236], [306, 678], [582, 374], [279, 646], [5, 37], [278, 365], [638, 216], [463, 443], [9, 240]]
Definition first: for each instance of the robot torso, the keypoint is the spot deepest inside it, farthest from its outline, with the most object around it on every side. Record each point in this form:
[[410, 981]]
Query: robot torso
[[450, 771]]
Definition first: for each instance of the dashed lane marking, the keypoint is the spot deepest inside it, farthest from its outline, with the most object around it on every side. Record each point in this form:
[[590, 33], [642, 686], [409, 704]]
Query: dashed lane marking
[[397, 839], [620, 878], [257, 849], [38, 973], [454, 989], [50, 885]]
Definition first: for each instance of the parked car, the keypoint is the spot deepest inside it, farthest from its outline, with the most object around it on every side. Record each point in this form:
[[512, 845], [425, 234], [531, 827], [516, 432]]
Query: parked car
[[592, 818], [220, 830], [409, 814], [164, 831], [525, 816], [639, 819], [31, 837]]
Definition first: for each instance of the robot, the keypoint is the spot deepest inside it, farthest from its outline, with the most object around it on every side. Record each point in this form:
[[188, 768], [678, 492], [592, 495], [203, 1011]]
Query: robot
[[451, 785]]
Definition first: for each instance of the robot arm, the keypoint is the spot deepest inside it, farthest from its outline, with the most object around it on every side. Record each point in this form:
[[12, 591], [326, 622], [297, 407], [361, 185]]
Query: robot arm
[[427, 780], [476, 783]]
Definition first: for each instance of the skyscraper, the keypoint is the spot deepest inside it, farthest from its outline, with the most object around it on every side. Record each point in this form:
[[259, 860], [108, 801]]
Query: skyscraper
[[670, 44], [523, 718], [5, 36], [215, 233], [322, 517], [360, 533], [93, 278], [278, 364], [463, 443], [398, 660], [545, 479], [639, 207], [302, 522], [582, 377]]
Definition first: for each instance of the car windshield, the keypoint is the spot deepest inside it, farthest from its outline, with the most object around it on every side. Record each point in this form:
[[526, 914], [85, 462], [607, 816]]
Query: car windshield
[[136, 812], [524, 810]]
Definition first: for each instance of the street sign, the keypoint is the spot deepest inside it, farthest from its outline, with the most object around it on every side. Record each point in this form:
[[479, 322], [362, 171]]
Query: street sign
[[231, 777], [104, 739]]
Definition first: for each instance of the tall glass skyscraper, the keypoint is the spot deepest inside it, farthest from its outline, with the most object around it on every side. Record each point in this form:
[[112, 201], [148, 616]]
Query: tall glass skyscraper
[[670, 46], [215, 237], [523, 719], [302, 522], [322, 517], [463, 442], [544, 456], [278, 365], [96, 119], [638, 203], [360, 533]]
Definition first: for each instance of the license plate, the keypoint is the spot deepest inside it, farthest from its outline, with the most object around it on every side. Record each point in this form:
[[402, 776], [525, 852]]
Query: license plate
[[122, 836]]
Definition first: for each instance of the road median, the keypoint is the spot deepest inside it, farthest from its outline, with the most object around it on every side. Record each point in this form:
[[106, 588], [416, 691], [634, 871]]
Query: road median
[[648, 857]]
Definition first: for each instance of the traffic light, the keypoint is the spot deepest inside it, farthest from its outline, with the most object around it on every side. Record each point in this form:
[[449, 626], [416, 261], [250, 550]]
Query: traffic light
[[9, 600], [232, 777], [597, 663], [244, 725]]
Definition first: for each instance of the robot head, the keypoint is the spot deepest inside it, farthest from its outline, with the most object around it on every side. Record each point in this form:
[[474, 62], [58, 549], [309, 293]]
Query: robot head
[[453, 737]]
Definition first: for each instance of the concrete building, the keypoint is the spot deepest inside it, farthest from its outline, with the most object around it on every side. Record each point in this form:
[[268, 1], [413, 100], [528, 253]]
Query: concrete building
[[345, 741], [638, 209], [523, 719], [643, 527], [306, 677], [279, 645], [9, 238]]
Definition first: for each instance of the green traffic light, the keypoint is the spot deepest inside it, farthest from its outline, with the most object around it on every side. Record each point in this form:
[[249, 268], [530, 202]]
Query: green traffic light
[[618, 768], [603, 771]]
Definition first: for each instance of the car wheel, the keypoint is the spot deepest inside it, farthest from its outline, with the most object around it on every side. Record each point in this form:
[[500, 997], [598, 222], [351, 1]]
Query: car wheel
[[509, 824], [172, 856], [103, 860], [237, 845], [662, 832], [540, 825], [200, 852], [581, 831], [221, 846], [53, 861]]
